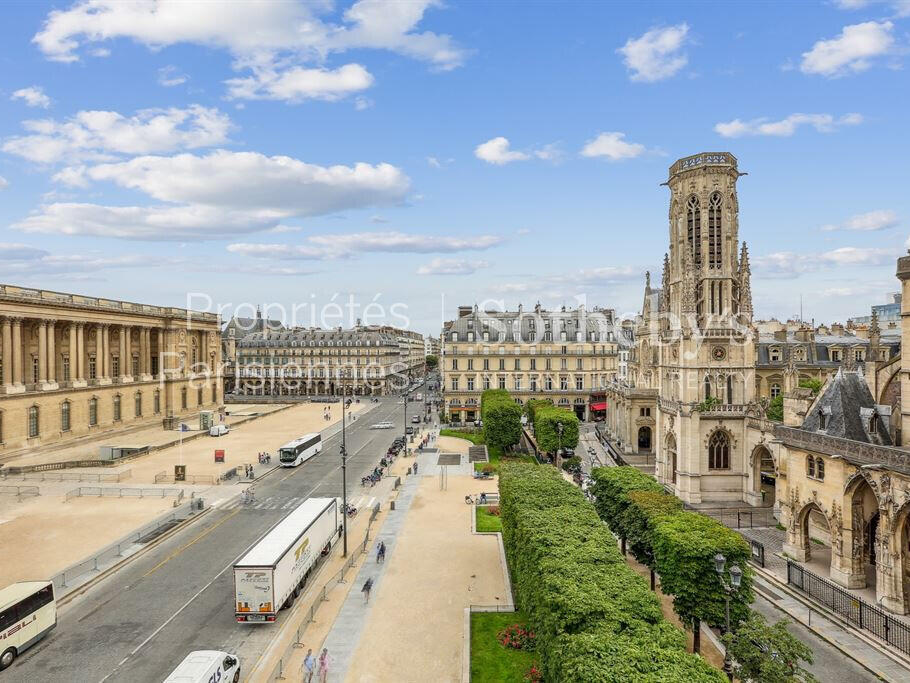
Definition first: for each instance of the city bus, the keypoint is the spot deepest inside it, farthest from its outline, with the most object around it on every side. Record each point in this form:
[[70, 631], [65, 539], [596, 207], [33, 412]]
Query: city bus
[[299, 450], [27, 614]]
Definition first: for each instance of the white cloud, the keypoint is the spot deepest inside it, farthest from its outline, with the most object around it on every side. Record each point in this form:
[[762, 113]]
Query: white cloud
[[792, 264], [335, 246], [222, 193], [867, 222], [597, 276], [823, 123], [656, 55], [99, 135], [33, 97], [613, 146], [170, 75], [378, 219], [281, 229], [901, 8], [28, 261], [4, 183], [265, 36], [497, 151], [448, 266], [301, 83], [852, 51], [434, 162]]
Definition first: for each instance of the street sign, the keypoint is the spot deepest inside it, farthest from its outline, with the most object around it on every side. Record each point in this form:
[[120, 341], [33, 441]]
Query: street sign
[[179, 472], [219, 456]]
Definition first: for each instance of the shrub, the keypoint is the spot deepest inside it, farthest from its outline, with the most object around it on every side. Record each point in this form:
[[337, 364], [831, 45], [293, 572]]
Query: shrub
[[517, 637], [572, 464], [493, 510], [534, 675], [546, 419]]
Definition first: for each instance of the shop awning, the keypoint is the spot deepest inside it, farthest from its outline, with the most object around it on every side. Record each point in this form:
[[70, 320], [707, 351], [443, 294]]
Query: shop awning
[[602, 405]]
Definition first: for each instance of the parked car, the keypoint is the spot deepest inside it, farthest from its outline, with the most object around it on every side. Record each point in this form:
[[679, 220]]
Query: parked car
[[218, 430], [382, 425], [409, 430]]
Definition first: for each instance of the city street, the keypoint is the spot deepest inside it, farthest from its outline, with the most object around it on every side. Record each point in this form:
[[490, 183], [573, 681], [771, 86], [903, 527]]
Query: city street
[[138, 624]]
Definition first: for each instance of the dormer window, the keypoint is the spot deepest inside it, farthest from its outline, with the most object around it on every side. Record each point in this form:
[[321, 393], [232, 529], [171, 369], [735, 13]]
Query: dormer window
[[774, 354], [799, 354], [824, 414], [835, 355]]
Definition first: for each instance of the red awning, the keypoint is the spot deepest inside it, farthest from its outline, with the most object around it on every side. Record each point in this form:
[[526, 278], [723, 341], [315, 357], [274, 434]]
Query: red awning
[[599, 406]]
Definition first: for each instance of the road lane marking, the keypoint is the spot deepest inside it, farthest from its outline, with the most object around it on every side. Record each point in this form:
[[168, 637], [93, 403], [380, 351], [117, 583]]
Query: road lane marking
[[182, 548]]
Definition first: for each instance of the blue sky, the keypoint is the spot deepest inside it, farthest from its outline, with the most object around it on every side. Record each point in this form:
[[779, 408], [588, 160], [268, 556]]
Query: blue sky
[[433, 154]]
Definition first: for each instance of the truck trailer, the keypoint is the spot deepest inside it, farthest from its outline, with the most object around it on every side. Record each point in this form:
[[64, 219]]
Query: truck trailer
[[272, 573]]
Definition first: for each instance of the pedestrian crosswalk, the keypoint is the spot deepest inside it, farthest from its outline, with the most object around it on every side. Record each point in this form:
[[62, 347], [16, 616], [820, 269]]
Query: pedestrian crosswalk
[[289, 503]]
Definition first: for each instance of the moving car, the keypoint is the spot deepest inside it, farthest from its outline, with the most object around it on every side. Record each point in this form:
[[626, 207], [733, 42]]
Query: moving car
[[416, 419], [383, 425], [206, 666]]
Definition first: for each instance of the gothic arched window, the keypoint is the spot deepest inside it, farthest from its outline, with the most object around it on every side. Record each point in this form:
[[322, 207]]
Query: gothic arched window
[[707, 387], [719, 451], [810, 466], [693, 229], [715, 238]]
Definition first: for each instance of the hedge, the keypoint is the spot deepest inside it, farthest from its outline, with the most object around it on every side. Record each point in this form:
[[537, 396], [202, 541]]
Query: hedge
[[501, 418], [678, 544], [545, 431], [595, 618]]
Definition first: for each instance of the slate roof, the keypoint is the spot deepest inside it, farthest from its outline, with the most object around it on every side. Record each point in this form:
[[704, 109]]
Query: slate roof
[[847, 406], [818, 351], [520, 326], [318, 337]]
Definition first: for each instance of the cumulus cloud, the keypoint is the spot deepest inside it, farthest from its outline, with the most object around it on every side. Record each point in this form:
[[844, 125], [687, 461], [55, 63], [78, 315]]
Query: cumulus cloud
[[170, 75], [221, 193], [450, 266], [324, 247], [266, 37], [792, 264], [823, 123], [28, 261], [598, 276], [33, 97], [901, 8], [871, 221], [301, 83], [852, 51], [497, 151], [613, 146], [3, 182], [657, 54], [101, 135]]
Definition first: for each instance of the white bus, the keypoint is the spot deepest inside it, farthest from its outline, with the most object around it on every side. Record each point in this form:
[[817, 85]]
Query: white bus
[[300, 450], [27, 614]]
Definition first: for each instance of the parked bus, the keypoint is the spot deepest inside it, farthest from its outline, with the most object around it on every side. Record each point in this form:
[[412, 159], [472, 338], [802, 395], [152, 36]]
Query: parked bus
[[300, 450], [27, 614]]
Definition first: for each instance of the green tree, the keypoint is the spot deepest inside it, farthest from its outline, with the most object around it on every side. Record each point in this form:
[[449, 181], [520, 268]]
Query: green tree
[[775, 410], [766, 653], [533, 404], [814, 384], [546, 419], [501, 418], [432, 362]]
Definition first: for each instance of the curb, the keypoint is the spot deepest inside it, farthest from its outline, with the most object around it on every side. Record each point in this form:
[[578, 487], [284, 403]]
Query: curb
[[81, 590], [830, 616]]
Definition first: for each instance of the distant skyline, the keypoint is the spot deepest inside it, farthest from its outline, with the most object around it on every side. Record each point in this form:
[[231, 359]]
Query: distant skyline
[[439, 154]]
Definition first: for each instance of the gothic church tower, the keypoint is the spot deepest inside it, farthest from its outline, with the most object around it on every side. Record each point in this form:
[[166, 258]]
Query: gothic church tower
[[707, 354]]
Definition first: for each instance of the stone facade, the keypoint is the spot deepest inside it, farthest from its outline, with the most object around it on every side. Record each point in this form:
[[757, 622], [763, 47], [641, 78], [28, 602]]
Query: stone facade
[[74, 365]]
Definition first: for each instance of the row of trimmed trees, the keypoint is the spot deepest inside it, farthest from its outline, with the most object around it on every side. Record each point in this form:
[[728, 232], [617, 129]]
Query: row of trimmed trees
[[595, 618], [681, 546], [502, 421]]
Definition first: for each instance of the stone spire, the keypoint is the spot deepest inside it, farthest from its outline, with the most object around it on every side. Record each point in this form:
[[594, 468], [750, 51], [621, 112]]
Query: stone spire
[[745, 285], [648, 281], [875, 331], [665, 284]]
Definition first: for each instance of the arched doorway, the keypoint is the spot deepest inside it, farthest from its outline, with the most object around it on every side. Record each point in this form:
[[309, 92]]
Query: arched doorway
[[764, 477], [644, 438], [861, 504], [814, 536], [899, 602]]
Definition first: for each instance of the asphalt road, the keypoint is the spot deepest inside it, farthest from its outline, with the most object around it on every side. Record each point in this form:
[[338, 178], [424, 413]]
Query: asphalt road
[[138, 624]]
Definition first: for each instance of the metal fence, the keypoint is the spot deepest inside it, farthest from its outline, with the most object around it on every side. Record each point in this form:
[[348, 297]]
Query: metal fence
[[164, 477], [868, 617], [48, 475], [740, 518], [103, 492], [20, 491], [115, 550]]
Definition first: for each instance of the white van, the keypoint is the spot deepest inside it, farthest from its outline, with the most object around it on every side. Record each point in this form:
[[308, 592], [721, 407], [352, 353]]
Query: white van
[[206, 666], [218, 430]]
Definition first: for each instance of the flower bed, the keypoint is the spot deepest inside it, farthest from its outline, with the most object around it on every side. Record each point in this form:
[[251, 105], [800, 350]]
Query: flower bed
[[491, 661], [486, 521]]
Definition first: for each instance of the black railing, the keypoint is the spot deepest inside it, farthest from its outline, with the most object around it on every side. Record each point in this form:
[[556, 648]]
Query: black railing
[[758, 553], [868, 617]]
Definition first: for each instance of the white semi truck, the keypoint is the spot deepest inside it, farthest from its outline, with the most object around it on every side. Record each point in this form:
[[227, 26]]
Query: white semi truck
[[271, 574]]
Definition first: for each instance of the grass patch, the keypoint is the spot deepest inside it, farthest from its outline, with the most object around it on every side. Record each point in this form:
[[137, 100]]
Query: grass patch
[[490, 661], [495, 452], [486, 521], [780, 527]]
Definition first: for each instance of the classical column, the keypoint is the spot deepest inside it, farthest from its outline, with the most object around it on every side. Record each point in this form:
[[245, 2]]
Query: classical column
[[42, 353], [52, 355], [126, 358], [143, 353], [102, 354], [7, 350], [80, 355], [17, 355]]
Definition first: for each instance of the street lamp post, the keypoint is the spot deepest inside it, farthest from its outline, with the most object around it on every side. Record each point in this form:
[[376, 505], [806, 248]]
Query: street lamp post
[[559, 429], [736, 575], [407, 390], [344, 470]]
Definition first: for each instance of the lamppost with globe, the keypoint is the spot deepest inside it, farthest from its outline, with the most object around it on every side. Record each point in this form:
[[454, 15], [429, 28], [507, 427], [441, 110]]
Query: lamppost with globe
[[736, 575]]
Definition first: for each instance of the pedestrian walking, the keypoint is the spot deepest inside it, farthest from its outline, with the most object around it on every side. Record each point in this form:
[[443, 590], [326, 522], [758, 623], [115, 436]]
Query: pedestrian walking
[[379, 552], [323, 665], [415, 467], [367, 587], [309, 666], [382, 552]]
